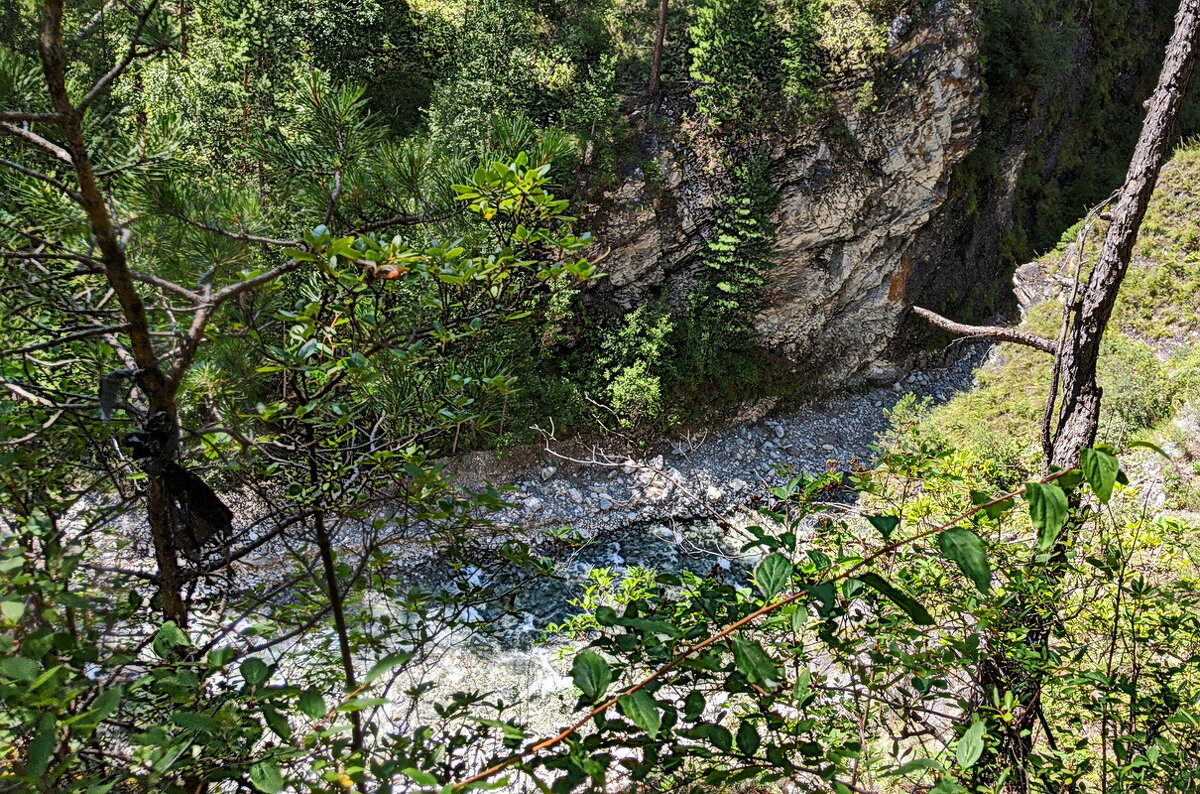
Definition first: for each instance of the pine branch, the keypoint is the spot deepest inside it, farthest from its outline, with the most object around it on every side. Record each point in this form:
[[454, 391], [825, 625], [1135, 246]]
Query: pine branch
[[49, 180], [62, 340], [29, 136], [130, 55]]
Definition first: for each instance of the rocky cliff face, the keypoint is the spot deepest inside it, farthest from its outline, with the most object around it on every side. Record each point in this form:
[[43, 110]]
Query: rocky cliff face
[[852, 206], [933, 198]]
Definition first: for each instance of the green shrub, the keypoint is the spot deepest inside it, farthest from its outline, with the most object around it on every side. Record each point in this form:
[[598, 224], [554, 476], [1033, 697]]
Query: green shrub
[[737, 55], [717, 329], [631, 362]]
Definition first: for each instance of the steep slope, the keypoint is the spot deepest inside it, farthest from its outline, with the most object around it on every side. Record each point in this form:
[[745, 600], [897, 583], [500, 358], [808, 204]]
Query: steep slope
[[1150, 369]]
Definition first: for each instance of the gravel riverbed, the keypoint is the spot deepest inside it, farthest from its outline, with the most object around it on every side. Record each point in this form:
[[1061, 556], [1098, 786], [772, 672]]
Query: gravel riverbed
[[711, 473]]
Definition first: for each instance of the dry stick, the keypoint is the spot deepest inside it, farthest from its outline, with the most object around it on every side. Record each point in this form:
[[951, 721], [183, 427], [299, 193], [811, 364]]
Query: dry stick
[[989, 332], [733, 627]]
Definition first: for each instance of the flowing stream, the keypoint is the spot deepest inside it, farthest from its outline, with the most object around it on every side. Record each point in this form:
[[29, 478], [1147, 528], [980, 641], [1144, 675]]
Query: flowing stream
[[670, 509]]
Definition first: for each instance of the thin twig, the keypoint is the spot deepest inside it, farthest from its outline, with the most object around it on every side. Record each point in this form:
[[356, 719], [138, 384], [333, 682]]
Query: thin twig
[[29, 136]]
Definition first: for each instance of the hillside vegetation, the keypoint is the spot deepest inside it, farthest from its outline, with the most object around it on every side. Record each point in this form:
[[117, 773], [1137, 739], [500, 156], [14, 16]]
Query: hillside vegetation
[[268, 270]]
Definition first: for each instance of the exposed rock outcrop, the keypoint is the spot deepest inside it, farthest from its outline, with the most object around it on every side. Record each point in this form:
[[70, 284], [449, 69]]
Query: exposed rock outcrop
[[932, 198], [852, 203]]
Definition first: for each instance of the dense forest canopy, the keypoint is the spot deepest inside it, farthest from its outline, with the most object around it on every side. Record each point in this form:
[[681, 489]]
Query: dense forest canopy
[[274, 277]]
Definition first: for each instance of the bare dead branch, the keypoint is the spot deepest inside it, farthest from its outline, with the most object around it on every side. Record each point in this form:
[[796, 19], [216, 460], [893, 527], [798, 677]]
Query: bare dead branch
[[233, 290], [996, 332], [23, 116], [28, 395], [31, 137], [166, 285], [245, 236]]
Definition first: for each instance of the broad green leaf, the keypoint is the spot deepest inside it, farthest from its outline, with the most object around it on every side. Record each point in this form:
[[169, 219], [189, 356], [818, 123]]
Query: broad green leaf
[[970, 746], [885, 524], [19, 668], [254, 671], [754, 663], [965, 548], [1048, 509], [1100, 469], [748, 740], [392, 660], [12, 610], [1155, 448], [717, 735], [993, 511], [420, 776], [312, 703], [642, 708], [803, 684], [1185, 717], [799, 617], [276, 722], [41, 747], [194, 721], [911, 607], [105, 703], [360, 704], [169, 636], [999, 509], [266, 778], [772, 575], [591, 674], [917, 765], [826, 598], [509, 730]]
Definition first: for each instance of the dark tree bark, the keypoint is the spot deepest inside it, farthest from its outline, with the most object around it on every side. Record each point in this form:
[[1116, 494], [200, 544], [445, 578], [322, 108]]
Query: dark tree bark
[[660, 34], [1080, 411], [159, 392], [157, 374]]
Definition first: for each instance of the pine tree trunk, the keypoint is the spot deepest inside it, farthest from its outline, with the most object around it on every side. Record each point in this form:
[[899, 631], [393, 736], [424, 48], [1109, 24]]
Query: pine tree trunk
[[159, 392], [660, 34]]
